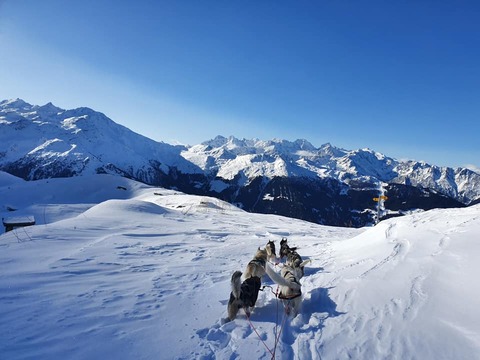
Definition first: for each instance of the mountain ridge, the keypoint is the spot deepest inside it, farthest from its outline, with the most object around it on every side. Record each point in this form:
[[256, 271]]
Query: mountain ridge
[[257, 175]]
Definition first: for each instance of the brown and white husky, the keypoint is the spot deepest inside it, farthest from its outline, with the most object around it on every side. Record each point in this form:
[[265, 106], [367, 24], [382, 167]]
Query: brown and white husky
[[256, 266]]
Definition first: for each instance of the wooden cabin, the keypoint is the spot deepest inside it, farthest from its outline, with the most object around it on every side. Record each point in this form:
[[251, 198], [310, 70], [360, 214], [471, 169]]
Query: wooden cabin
[[11, 223]]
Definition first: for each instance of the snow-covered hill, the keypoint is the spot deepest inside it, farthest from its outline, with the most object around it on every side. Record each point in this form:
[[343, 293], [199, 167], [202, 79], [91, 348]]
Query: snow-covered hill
[[325, 185], [118, 269]]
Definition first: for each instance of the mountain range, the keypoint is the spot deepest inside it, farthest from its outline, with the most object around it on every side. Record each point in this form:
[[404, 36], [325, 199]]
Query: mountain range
[[326, 185]]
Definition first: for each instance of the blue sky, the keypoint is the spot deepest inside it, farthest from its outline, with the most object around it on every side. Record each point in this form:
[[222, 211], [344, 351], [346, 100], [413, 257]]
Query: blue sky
[[399, 77]]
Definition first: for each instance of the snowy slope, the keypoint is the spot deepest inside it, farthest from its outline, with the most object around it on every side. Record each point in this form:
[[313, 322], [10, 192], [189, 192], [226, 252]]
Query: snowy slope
[[145, 275], [410, 290]]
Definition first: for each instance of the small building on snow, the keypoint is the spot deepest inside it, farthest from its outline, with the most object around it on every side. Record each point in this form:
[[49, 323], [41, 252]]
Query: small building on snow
[[11, 223]]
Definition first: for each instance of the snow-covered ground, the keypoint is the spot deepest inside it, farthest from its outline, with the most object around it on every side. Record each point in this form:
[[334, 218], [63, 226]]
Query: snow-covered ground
[[115, 269]]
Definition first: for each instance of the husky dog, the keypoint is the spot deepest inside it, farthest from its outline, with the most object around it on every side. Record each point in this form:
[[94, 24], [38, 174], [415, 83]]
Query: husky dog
[[284, 248], [244, 294], [256, 267], [293, 257], [289, 278], [290, 289]]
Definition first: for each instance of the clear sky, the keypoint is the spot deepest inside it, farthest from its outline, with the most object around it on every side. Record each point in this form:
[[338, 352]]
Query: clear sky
[[400, 77]]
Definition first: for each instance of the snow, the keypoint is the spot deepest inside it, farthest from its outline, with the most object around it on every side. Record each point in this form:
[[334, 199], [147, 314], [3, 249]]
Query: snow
[[117, 269]]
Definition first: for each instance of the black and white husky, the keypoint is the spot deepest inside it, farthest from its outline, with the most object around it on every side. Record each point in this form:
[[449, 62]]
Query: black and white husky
[[285, 248], [293, 257], [244, 294]]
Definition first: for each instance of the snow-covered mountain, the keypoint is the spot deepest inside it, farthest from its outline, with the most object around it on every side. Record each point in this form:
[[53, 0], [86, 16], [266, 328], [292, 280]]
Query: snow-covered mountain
[[229, 157], [46, 141], [116, 269], [327, 185]]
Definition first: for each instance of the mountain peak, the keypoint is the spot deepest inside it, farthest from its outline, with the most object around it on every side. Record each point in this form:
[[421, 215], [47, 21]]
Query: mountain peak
[[304, 144], [230, 142], [49, 109], [15, 103]]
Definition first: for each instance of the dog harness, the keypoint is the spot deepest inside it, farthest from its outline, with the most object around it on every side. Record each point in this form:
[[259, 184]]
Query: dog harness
[[258, 261], [290, 297]]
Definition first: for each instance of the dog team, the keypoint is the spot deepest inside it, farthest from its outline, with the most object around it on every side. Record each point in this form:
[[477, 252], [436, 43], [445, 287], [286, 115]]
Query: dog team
[[245, 293]]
